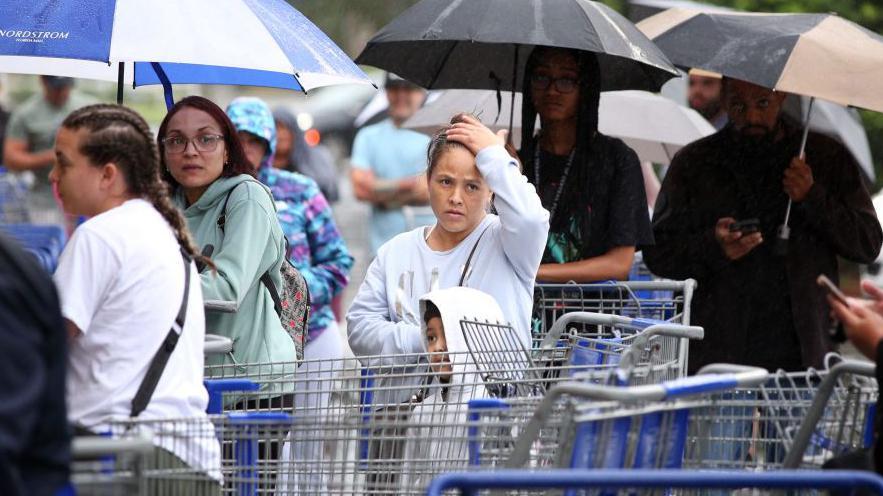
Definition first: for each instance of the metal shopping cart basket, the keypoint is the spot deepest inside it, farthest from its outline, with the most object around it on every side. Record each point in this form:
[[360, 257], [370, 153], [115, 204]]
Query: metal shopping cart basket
[[703, 422], [667, 301], [221, 454]]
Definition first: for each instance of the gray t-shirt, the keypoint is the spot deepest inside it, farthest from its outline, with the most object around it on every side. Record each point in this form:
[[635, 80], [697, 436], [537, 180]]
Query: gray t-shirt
[[36, 121]]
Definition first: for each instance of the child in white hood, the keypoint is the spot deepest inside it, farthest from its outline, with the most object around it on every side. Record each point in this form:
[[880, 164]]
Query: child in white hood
[[436, 440]]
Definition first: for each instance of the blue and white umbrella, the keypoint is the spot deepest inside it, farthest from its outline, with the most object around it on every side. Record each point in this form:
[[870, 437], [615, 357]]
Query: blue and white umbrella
[[138, 42]]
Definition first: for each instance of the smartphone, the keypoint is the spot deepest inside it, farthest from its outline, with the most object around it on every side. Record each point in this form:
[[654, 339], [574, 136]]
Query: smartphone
[[826, 283], [747, 226]]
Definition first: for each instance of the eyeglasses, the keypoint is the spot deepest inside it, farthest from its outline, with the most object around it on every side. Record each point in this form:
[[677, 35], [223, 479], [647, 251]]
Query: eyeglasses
[[202, 143], [562, 85]]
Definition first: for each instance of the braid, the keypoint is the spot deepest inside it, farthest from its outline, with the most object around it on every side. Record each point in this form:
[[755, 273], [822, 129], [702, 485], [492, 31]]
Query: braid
[[119, 135]]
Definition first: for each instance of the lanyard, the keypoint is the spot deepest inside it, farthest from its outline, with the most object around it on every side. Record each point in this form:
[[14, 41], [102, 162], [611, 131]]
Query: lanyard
[[536, 172]]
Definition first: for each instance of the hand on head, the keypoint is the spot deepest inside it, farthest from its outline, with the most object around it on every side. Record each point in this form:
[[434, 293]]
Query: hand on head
[[474, 135], [735, 244]]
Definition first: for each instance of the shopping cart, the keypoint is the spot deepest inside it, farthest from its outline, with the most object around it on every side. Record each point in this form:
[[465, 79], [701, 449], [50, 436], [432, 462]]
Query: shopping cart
[[657, 300], [702, 422], [653, 481], [44, 242], [177, 456], [109, 467], [13, 198], [357, 442], [641, 350]]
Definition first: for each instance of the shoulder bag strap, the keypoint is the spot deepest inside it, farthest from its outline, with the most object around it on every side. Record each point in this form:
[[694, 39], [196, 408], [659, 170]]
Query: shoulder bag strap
[[469, 260], [161, 358]]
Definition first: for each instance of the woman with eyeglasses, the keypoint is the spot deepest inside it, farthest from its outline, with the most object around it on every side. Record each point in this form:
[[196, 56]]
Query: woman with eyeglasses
[[591, 184], [226, 208]]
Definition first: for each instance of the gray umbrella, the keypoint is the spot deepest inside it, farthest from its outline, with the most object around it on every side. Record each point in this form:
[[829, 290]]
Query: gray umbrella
[[483, 44]]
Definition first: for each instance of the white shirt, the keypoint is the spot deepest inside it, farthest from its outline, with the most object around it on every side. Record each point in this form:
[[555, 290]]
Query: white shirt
[[121, 281]]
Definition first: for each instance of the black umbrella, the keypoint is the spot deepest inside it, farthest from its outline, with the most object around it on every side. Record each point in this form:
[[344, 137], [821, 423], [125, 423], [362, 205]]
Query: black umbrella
[[483, 44]]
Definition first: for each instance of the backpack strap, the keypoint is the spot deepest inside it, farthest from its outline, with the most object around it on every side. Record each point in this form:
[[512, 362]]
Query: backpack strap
[[265, 277], [162, 355], [274, 293], [222, 219]]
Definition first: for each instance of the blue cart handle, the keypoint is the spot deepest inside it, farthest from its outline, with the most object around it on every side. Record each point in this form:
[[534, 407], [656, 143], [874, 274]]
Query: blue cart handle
[[469, 483], [647, 326]]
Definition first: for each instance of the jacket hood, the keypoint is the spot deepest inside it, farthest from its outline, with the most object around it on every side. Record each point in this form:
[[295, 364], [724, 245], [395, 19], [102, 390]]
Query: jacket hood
[[454, 305], [252, 115]]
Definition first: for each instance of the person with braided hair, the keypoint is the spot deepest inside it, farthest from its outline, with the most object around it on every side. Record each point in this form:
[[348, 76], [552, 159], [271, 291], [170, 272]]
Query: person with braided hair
[[591, 184], [124, 284]]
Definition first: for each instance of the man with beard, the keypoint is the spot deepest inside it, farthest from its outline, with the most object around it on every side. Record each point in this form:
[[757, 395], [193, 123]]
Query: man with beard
[[759, 306], [704, 96]]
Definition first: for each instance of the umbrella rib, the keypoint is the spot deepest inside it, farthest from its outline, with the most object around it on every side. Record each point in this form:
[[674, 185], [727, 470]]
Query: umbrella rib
[[299, 83], [441, 66]]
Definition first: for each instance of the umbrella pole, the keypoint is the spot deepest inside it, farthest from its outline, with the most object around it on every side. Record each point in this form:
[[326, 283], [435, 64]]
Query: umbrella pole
[[121, 71], [512, 99], [784, 230], [166, 84]]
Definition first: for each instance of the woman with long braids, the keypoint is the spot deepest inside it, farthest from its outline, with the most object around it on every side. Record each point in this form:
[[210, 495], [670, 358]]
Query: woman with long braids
[[127, 280], [591, 184]]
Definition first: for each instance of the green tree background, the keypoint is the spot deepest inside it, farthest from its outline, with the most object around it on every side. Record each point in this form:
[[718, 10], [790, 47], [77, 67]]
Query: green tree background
[[351, 23]]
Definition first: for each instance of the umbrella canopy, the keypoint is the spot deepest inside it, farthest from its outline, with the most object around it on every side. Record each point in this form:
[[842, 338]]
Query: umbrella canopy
[[816, 55], [654, 126], [250, 42], [484, 44]]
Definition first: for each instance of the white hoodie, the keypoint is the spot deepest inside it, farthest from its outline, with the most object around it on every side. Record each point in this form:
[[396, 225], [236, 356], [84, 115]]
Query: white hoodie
[[436, 440], [384, 318]]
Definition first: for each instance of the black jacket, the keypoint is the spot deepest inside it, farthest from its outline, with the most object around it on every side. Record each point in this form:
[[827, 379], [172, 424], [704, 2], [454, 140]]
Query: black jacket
[[709, 180], [34, 434]]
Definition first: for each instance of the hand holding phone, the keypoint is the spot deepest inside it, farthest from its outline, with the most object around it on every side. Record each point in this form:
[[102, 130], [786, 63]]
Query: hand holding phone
[[746, 226], [833, 290]]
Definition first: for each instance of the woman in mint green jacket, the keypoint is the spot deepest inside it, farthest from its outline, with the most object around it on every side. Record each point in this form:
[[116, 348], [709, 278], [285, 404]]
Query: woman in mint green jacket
[[211, 179]]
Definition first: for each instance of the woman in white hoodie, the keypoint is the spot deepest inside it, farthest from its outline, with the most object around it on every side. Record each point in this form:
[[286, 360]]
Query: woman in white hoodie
[[469, 170]]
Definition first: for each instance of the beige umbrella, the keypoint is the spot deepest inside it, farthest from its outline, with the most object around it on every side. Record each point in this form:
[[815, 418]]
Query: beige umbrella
[[816, 55]]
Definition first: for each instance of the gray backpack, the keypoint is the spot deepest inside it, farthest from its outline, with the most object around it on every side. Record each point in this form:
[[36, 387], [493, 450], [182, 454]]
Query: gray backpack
[[292, 304]]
